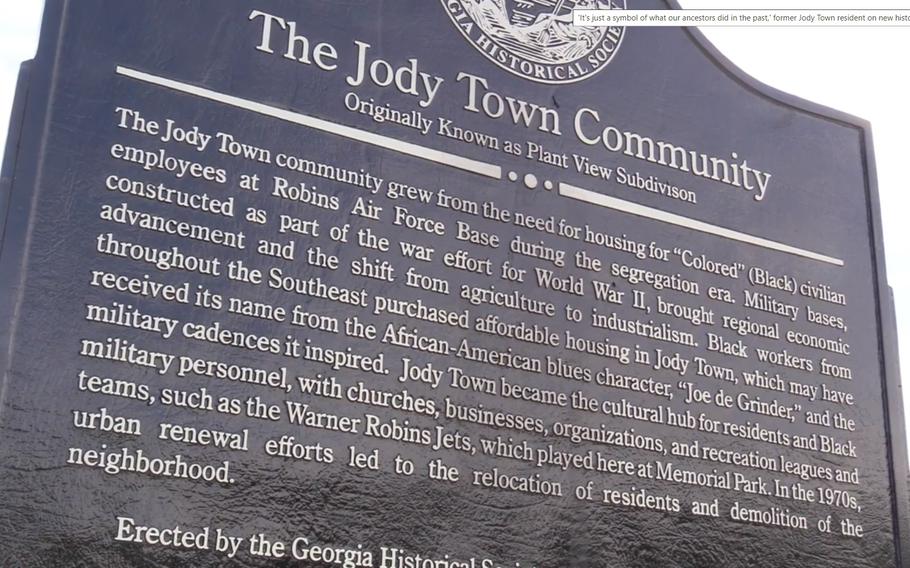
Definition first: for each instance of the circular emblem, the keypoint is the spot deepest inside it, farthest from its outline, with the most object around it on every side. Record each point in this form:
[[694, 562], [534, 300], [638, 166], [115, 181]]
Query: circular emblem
[[536, 39]]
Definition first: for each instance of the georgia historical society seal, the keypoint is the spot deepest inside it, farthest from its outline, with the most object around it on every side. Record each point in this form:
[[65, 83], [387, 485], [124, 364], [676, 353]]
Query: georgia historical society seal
[[536, 39]]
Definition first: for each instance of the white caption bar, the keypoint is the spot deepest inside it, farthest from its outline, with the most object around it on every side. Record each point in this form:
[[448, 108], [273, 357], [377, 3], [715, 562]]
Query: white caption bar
[[595, 198], [743, 18], [438, 156]]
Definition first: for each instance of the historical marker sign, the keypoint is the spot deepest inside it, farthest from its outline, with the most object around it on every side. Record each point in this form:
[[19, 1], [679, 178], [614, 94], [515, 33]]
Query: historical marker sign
[[414, 284]]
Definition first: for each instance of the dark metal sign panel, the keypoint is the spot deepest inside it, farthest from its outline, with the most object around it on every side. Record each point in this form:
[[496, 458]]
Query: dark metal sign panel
[[435, 284]]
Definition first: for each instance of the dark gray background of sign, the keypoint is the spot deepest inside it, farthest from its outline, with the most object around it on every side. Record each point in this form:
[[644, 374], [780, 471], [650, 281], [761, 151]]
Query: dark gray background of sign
[[662, 83]]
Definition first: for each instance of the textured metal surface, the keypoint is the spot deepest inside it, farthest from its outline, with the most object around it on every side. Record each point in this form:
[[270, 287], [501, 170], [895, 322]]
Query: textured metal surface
[[664, 82]]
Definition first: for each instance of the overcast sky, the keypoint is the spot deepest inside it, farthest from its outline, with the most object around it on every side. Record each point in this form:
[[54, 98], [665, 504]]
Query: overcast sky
[[862, 71]]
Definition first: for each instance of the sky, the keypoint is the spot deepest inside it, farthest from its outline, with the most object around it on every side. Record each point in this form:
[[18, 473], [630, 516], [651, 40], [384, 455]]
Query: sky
[[862, 71], [19, 28]]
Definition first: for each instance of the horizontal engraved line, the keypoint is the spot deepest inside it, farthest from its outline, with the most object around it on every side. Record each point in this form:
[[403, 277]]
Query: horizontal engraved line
[[602, 200], [415, 150]]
